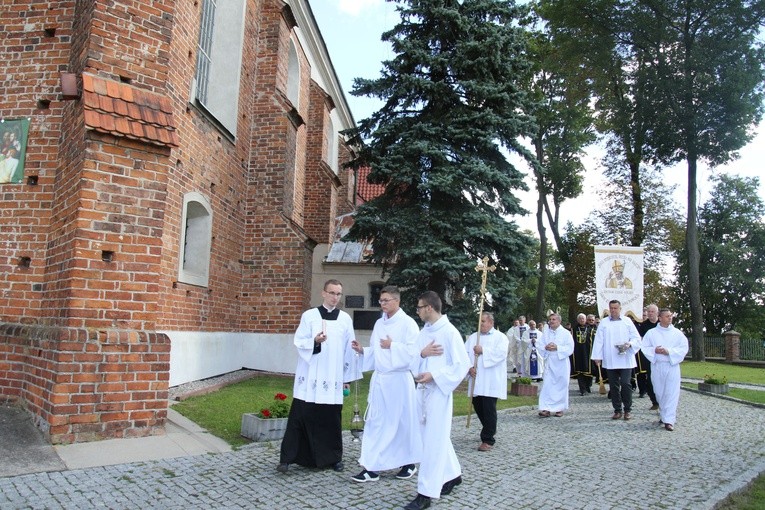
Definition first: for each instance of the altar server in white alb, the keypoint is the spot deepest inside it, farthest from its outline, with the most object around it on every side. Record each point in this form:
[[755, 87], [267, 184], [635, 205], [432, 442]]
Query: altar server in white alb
[[443, 365], [555, 348], [326, 363], [487, 377], [665, 347], [391, 429], [616, 343]]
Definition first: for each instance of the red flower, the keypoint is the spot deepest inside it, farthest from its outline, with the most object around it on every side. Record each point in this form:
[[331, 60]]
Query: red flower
[[280, 396], [265, 413]]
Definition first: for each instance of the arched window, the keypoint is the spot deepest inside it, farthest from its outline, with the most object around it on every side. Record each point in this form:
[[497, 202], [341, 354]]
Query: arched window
[[293, 77], [196, 236], [332, 145]]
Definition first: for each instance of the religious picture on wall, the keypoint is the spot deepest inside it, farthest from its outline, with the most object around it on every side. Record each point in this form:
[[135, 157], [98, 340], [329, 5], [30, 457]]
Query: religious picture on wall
[[13, 148]]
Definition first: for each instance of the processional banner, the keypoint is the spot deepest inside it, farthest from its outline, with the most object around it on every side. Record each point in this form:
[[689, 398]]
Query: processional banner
[[619, 275]]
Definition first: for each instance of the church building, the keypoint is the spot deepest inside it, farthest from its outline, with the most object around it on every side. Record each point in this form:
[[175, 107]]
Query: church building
[[180, 162]]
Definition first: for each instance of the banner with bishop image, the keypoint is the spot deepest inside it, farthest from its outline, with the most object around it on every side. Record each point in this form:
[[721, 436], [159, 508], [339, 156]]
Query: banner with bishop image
[[619, 275]]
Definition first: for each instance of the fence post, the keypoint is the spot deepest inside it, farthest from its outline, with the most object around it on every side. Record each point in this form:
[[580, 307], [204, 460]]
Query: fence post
[[732, 346]]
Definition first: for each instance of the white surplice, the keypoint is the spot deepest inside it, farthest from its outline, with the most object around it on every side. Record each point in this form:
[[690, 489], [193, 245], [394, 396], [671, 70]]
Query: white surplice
[[611, 333], [391, 429], [553, 396], [434, 402], [491, 371], [665, 369], [319, 377]]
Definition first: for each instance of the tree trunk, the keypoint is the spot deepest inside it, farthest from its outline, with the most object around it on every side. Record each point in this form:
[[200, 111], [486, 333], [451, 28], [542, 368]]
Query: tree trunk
[[542, 282], [692, 246], [638, 213]]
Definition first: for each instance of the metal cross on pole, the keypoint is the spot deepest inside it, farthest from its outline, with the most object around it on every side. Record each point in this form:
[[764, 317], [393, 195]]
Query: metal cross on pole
[[483, 267]]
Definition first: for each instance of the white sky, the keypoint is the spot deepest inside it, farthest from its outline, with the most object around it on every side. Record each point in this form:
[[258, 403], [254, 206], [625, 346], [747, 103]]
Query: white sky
[[351, 30]]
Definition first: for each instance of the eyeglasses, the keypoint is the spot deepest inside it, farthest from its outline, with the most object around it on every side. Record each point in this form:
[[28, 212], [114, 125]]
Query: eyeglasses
[[385, 301], [335, 294], [420, 307]]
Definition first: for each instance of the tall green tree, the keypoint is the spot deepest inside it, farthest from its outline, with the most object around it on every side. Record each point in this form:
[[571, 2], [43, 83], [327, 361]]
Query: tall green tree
[[564, 129], [597, 38], [452, 103], [732, 246], [698, 66], [709, 94]]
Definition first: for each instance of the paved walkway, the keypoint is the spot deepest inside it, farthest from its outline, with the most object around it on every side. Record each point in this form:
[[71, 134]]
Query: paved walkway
[[583, 460]]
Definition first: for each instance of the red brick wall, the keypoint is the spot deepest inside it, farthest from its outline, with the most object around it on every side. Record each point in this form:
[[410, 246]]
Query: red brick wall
[[90, 364]]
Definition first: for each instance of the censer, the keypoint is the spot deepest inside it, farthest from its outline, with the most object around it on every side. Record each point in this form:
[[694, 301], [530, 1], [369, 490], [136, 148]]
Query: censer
[[357, 422]]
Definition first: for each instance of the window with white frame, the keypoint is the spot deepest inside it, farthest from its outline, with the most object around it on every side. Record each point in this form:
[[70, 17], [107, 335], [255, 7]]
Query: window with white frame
[[219, 60], [196, 236]]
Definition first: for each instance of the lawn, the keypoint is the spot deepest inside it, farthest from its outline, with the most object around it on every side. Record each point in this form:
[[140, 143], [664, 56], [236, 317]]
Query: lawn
[[734, 373], [221, 412]]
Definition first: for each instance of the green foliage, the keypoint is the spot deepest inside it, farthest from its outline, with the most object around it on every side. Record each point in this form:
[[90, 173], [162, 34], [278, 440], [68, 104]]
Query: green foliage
[[523, 380], [732, 246], [715, 379], [452, 106], [279, 407]]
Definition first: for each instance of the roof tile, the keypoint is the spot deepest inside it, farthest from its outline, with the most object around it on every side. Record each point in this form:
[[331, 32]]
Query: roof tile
[[124, 110], [87, 82]]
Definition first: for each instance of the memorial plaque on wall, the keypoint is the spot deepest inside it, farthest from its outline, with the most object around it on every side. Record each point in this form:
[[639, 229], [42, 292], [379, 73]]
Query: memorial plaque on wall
[[365, 319], [354, 301]]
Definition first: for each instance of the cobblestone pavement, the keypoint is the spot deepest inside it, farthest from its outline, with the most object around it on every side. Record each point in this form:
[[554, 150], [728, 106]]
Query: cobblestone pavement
[[583, 460]]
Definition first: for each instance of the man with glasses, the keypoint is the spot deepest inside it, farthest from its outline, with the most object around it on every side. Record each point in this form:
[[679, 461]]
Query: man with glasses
[[443, 365], [391, 430], [326, 364]]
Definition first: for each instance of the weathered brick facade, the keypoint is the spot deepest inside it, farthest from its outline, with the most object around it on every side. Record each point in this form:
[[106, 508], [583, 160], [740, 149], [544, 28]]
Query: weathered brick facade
[[98, 218]]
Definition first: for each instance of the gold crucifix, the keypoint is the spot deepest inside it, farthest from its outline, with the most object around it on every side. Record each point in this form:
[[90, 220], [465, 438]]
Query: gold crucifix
[[483, 267]]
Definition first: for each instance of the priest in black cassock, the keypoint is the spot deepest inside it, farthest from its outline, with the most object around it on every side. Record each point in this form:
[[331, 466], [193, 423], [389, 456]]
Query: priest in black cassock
[[326, 364], [581, 366]]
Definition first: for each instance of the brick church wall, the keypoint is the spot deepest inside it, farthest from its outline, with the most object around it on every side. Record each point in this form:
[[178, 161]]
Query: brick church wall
[[101, 219]]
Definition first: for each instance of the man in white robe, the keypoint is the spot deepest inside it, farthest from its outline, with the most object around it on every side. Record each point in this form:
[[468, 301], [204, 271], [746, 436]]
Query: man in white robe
[[443, 365], [556, 346], [616, 342], [487, 377], [326, 364], [533, 363], [665, 347], [515, 335], [391, 428]]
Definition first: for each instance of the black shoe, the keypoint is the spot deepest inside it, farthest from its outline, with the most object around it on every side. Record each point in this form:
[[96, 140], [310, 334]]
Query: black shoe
[[283, 467], [419, 503], [451, 484], [338, 466], [366, 476], [406, 472]]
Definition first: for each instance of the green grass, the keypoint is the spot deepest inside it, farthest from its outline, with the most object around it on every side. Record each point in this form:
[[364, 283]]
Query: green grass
[[752, 498], [734, 373], [221, 412]]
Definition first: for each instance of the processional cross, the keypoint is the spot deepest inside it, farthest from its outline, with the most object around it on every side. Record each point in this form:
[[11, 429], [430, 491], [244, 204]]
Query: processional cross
[[483, 267]]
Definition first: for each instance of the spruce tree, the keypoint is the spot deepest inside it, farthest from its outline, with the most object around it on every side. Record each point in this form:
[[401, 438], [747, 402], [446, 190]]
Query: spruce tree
[[453, 107]]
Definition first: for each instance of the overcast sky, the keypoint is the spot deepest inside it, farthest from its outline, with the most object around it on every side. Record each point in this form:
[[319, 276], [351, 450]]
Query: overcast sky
[[351, 30]]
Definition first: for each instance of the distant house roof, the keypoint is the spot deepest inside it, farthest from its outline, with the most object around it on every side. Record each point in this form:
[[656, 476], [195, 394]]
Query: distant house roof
[[344, 251], [119, 109], [364, 190]]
